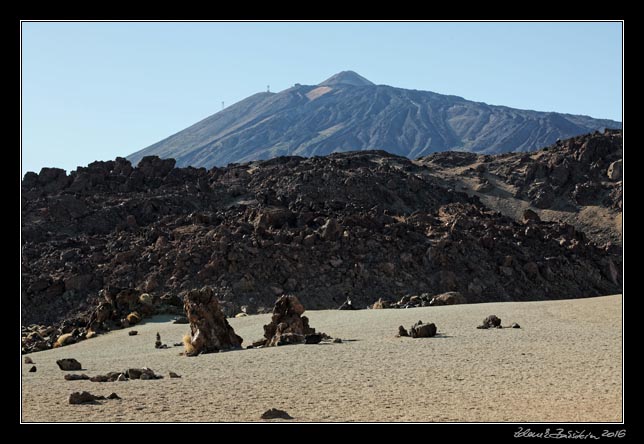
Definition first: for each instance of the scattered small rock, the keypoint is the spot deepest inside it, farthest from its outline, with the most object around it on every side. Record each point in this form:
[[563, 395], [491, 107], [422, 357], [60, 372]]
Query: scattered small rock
[[491, 321], [142, 373], [180, 320], [515, 325], [99, 378], [133, 333], [275, 414], [32, 369], [313, 338], [28, 360], [75, 377], [380, 304], [449, 298], [83, 397], [113, 396], [174, 375], [121, 378], [337, 341], [402, 331], [178, 344], [69, 364]]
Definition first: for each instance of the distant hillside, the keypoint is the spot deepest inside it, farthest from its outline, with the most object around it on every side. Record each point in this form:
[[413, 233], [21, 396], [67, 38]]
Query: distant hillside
[[348, 112]]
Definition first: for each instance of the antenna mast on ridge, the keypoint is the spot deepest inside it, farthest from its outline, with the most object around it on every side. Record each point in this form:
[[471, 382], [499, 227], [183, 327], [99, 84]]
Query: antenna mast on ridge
[[268, 88], [222, 105]]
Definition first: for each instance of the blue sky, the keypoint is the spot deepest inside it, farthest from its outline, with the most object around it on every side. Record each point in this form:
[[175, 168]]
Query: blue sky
[[94, 91]]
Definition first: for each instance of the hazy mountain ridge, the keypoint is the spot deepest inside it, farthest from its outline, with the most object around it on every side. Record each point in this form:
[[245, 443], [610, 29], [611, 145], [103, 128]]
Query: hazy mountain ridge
[[347, 112]]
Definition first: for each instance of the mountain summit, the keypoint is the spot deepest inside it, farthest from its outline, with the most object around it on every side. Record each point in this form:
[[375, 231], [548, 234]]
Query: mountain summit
[[347, 112], [347, 78]]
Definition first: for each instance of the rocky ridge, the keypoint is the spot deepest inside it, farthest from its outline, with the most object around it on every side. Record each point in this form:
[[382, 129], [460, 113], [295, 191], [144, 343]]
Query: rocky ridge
[[364, 225]]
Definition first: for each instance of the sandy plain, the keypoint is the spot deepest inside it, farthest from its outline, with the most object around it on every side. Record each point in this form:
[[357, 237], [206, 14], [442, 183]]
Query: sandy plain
[[563, 365]]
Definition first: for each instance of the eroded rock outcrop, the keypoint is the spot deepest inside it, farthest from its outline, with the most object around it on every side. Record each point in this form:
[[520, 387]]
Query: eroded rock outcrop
[[210, 332], [287, 325]]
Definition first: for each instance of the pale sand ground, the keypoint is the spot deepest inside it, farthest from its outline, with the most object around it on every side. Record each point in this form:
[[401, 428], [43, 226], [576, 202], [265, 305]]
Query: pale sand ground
[[563, 365]]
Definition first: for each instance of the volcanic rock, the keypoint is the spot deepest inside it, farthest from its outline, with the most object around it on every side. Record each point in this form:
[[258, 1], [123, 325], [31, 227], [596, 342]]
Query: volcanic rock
[[420, 330], [287, 325], [449, 298], [615, 170], [75, 377], [491, 321], [275, 414], [69, 364], [366, 224], [83, 398], [314, 338], [209, 329]]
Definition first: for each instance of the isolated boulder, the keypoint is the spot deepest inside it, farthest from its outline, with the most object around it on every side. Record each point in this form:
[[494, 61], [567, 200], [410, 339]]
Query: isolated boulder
[[69, 364], [420, 330], [275, 414], [209, 329], [491, 321], [83, 398]]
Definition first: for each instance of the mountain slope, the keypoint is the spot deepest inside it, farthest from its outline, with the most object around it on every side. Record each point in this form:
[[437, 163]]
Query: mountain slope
[[348, 112]]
